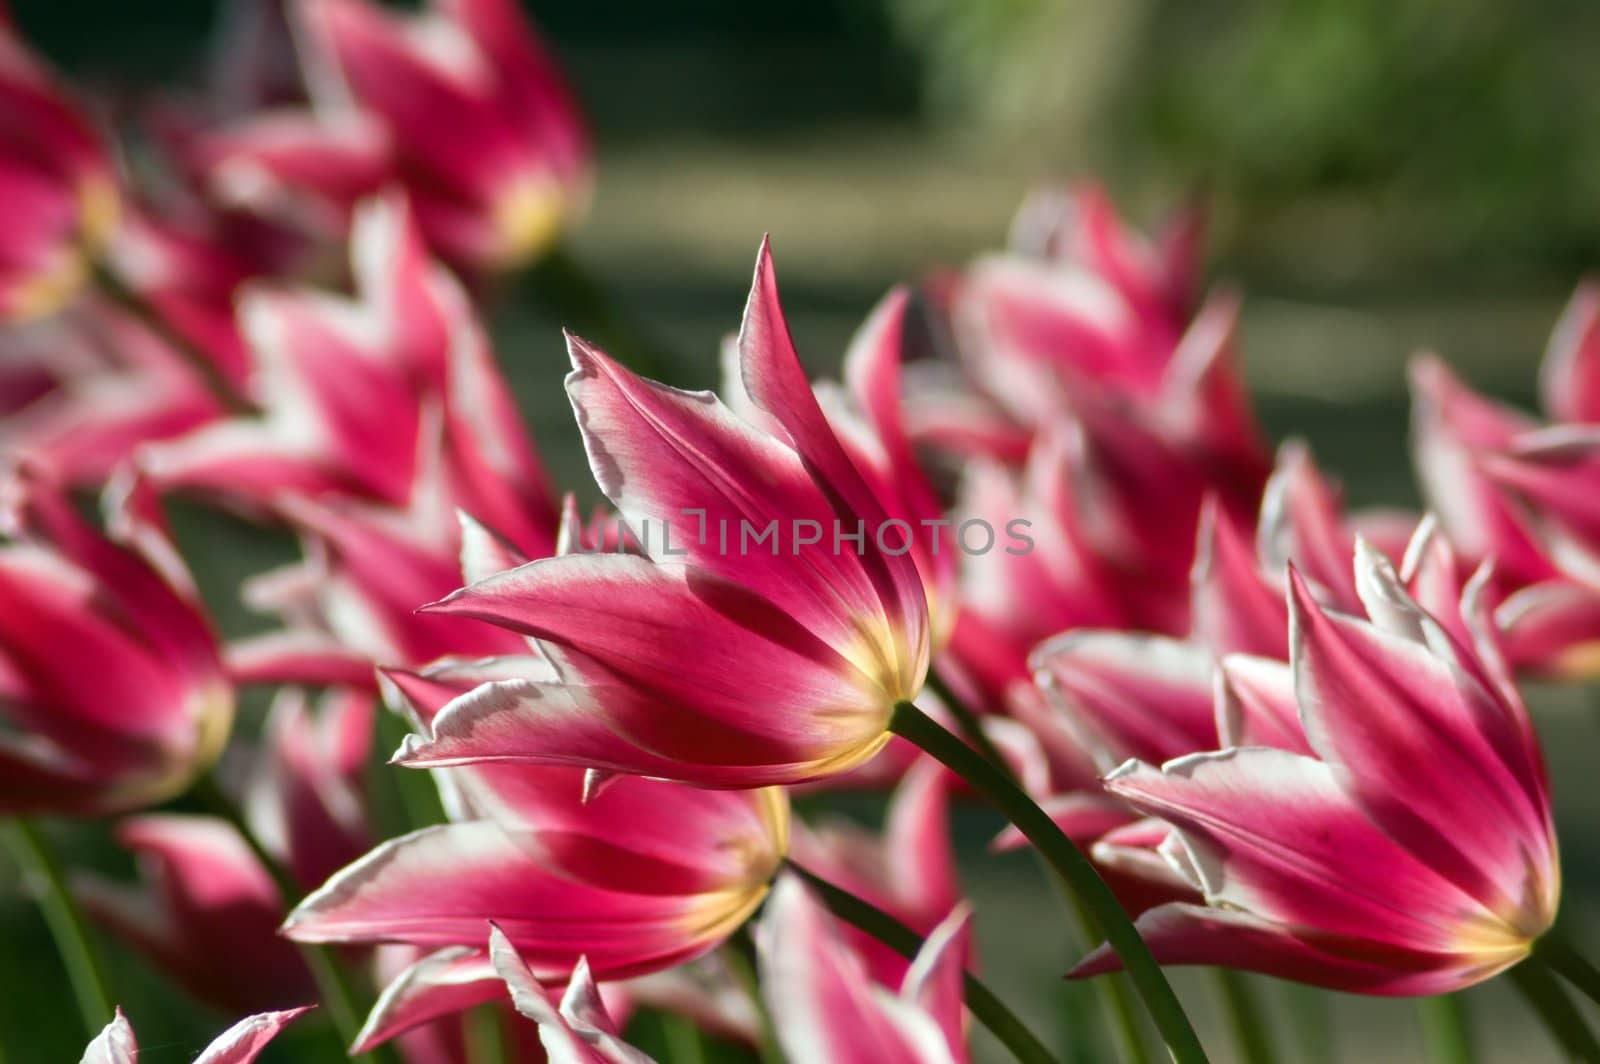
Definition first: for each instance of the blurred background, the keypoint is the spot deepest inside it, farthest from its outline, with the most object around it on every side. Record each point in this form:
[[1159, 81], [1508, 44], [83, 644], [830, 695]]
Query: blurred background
[[1383, 176]]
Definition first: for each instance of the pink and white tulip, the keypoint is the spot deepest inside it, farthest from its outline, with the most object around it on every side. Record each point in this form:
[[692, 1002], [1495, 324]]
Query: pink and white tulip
[[909, 871], [805, 650], [636, 875], [126, 603], [827, 1009], [1507, 487], [1412, 851], [239, 1044], [485, 134], [58, 191], [206, 913]]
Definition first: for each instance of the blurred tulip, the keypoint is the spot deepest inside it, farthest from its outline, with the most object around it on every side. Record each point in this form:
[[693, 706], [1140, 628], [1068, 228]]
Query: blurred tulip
[[909, 871], [1237, 585], [206, 913], [57, 187], [239, 1044], [126, 604], [825, 1007], [823, 637], [1508, 488], [103, 385], [1011, 598], [637, 875], [1414, 853], [577, 1030], [487, 138], [306, 801]]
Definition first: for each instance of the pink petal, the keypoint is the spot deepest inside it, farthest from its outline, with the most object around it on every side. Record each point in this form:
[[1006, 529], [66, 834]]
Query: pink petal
[[824, 1006], [762, 690], [114, 1045], [244, 1041], [439, 984], [1553, 629], [578, 1031], [436, 887], [1273, 833], [1256, 705], [1181, 933], [1148, 697], [1440, 762], [1569, 379]]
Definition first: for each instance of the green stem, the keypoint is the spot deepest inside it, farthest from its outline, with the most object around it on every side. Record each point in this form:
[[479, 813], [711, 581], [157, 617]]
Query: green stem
[[484, 1035], [568, 290], [1313, 1026], [1251, 1031], [1445, 1029], [988, 1009], [1570, 964], [739, 952], [1543, 991], [66, 923], [994, 783], [1116, 1000], [682, 1039], [333, 982], [118, 292]]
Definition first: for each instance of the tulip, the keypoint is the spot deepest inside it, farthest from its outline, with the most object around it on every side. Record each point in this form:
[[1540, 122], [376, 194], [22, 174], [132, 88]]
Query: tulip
[[57, 186], [1424, 856], [1079, 226], [807, 643], [206, 913], [825, 1007], [575, 1030], [306, 800], [102, 385], [239, 1044], [1010, 599], [636, 875], [1237, 585], [486, 136], [126, 604], [1508, 488]]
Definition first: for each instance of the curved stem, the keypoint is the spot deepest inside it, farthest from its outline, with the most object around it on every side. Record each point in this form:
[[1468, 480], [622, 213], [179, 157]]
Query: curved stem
[[988, 1009], [1116, 1002], [66, 922], [1445, 1029], [1543, 991], [1309, 1019], [1251, 1032], [740, 952], [1570, 964], [333, 983], [151, 318], [994, 783]]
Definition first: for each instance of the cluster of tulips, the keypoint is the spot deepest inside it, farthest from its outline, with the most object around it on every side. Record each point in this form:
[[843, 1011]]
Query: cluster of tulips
[[1032, 550]]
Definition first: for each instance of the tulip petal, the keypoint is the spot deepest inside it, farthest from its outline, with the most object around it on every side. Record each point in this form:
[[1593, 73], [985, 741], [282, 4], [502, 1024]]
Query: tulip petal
[[435, 887], [1272, 833], [1438, 760], [1182, 933], [244, 1041], [578, 1031], [441, 983], [1569, 378]]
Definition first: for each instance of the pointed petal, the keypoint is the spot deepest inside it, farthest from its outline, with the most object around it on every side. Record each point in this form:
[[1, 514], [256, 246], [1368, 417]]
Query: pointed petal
[[1439, 761], [1142, 696], [439, 984], [435, 887], [1569, 379], [244, 1041]]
